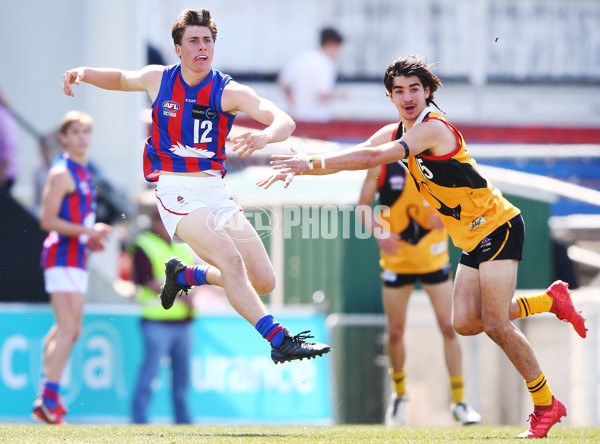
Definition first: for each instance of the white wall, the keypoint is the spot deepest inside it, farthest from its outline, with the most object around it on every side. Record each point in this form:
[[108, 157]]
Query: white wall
[[40, 40]]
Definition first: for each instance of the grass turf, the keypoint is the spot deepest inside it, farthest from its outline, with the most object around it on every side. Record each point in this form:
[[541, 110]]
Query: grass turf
[[124, 434]]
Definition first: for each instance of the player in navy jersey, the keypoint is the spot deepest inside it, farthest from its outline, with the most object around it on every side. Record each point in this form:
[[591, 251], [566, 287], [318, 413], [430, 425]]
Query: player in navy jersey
[[193, 108], [68, 213]]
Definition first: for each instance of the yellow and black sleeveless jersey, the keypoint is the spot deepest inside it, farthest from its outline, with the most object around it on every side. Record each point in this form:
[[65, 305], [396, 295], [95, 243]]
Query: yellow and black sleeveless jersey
[[424, 250], [469, 205]]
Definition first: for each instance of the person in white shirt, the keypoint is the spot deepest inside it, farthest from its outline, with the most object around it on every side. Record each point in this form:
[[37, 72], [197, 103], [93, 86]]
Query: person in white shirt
[[309, 79]]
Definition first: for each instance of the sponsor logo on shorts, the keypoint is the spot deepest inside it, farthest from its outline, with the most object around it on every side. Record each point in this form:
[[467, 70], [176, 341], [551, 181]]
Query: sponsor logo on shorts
[[389, 276], [179, 199]]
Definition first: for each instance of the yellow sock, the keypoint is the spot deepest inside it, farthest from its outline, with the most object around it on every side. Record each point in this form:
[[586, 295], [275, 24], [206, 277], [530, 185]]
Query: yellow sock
[[540, 391], [457, 388], [541, 303], [398, 380]]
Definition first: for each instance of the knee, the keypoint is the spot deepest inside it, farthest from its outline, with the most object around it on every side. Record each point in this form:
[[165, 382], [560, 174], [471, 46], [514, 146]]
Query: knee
[[465, 327], [395, 333], [265, 283], [71, 331], [447, 329]]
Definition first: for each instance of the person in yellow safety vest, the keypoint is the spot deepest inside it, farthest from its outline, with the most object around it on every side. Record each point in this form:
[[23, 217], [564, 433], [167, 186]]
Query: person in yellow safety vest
[[165, 332]]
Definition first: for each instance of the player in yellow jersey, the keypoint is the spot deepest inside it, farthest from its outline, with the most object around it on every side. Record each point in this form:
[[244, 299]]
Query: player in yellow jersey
[[414, 246], [488, 228]]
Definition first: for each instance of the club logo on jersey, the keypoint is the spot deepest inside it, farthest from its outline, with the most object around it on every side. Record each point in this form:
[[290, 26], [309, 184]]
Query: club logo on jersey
[[170, 108], [445, 209], [84, 188], [188, 151], [204, 112], [397, 182]]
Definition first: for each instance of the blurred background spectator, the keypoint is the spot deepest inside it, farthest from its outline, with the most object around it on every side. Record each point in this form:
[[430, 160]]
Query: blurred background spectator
[[8, 147], [166, 333], [308, 80]]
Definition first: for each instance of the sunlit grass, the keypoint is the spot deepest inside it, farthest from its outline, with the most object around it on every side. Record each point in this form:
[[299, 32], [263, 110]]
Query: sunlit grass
[[122, 434]]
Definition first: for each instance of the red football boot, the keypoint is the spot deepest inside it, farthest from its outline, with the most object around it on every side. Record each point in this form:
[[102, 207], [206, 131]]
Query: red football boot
[[543, 418], [44, 413], [563, 308]]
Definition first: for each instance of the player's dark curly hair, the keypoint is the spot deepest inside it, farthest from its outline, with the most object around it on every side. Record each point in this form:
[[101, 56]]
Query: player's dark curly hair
[[412, 65], [193, 17]]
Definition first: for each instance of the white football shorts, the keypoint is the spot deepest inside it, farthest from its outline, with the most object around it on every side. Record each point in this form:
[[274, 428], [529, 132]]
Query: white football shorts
[[65, 279], [178, 196]]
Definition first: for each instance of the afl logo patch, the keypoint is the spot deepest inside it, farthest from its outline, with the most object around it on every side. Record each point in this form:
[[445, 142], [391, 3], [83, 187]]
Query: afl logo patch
[[397, 182], [169, 105]]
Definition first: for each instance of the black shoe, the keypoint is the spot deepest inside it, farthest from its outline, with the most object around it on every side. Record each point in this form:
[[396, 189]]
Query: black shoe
[[172, 288], [295, 347]]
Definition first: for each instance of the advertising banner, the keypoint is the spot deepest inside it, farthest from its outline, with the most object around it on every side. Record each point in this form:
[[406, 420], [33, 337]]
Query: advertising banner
[[233, 379]]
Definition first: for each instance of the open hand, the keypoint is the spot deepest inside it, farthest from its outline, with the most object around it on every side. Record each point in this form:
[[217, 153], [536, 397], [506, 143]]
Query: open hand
[[249, 142], [297, 162], [286, 178], [70, 77]]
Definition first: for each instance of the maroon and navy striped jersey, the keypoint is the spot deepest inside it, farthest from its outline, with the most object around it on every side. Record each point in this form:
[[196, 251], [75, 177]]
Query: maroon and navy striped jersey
[[78, 207], [189, 126]]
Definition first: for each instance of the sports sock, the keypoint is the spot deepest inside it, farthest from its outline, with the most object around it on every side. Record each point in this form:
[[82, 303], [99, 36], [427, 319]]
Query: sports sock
[[541, 303], [540, 391], [193, 276], [50, 394], [270, 329], [457, 391], [398, 381]]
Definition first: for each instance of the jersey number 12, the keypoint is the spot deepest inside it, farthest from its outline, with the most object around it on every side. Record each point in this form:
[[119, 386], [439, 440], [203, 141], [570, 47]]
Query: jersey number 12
[[206, 126]]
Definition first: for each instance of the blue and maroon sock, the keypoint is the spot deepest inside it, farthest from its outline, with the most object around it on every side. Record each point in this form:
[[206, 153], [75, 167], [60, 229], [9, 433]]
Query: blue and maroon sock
[[193, 276], [50, 394], [270, 329]]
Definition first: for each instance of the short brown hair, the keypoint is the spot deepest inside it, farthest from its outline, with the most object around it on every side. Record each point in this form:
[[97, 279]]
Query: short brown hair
[[193, 17], [74, 116], [412, 65]]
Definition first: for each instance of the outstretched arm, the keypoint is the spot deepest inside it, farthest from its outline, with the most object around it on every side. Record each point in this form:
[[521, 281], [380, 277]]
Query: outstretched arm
[[304, 160], [433, 136], [280, 126], [146, 79]]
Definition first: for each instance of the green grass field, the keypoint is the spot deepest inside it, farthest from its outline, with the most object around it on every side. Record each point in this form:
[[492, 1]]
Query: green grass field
[[269, 434]]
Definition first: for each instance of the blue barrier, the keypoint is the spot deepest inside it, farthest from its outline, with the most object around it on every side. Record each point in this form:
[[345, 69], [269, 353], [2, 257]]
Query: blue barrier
[[233, 379]]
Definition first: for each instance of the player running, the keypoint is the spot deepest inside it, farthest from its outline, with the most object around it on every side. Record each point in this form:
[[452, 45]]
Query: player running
[[483, 223]]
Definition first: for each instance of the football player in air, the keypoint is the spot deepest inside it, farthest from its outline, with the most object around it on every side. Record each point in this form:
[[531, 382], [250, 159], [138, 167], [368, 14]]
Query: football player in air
[[193, 108]]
